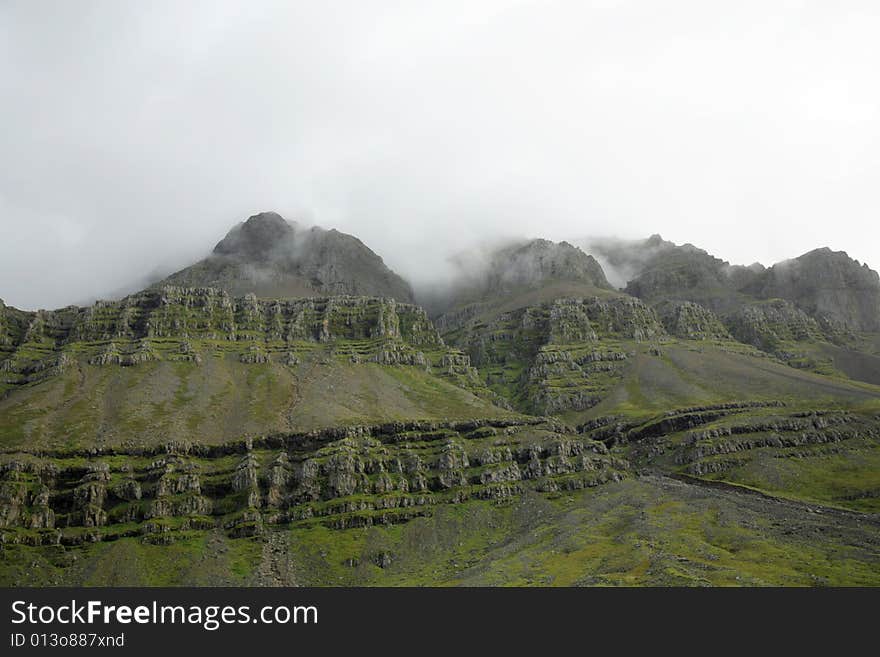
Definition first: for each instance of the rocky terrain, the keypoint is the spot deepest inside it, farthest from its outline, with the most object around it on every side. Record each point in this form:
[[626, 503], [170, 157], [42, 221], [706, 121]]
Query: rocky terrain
[[271, 257], [828, 285], [347, 477], [510, 270], [282, 412], [795, 310], [689, 320], [559, 355]]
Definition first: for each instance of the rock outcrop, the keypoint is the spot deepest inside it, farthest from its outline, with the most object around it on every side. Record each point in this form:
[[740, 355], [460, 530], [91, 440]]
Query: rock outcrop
[[563, 354], [691, 321], [684, 273], [833, 289], [769, 325], [174, 323], [346, 477]]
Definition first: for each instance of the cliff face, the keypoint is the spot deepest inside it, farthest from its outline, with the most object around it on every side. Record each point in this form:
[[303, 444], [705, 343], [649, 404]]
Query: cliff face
[[557, 356], [626, 259], [210, 313], [5, 333], [7, 328], [13, 323], [770, 324], [816, 312], [691, 321], [182, 421], [179, 324], [271, 257], [829, 285], [341, 478]]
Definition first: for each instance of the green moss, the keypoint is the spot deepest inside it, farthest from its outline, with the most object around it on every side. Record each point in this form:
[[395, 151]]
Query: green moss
[[847, 479]]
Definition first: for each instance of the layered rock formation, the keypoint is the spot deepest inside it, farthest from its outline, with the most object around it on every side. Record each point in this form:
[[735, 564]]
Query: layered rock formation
[[199, 415], [199, 361], [714, 440], [771, 324], [559, 355], [684, 273], [657, 270], [137, 329], [691, 321], [344, 477]]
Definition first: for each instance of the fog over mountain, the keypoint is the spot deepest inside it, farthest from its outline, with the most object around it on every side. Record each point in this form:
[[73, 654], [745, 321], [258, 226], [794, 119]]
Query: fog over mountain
[[135, 134]]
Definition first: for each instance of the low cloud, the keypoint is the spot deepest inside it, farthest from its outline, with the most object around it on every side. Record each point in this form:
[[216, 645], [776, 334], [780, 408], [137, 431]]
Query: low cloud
[[134, 136]]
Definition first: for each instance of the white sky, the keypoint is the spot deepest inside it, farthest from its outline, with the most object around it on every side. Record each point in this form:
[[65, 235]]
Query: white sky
[[134, 134]]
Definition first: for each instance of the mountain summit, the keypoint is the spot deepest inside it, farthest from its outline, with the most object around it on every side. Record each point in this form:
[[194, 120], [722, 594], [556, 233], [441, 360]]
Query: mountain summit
[[272, 257], [257, 238]]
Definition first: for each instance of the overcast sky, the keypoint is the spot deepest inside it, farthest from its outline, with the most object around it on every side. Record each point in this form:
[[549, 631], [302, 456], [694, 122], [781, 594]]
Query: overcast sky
[[134, 134]]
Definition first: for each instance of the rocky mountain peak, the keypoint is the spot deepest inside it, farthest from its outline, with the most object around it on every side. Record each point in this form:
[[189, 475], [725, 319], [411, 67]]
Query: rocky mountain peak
[[269, 256], [258, 237]]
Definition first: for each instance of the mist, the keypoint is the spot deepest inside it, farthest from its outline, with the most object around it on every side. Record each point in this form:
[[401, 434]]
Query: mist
[[135, 135]]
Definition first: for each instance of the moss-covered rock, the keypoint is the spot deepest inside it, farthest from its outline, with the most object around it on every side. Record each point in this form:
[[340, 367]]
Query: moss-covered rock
[[342, 476], [770, 324], [691, 321]]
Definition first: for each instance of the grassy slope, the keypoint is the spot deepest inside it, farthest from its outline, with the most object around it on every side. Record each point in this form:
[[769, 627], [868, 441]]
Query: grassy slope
[[694, 373], [858, 365], [650, 531], [849, 478], [220, 400], [844, 475]]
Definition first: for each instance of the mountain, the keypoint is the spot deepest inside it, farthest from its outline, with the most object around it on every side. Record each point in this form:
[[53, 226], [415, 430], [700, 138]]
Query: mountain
[[828, 285], [281, 416], [274, 258]]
